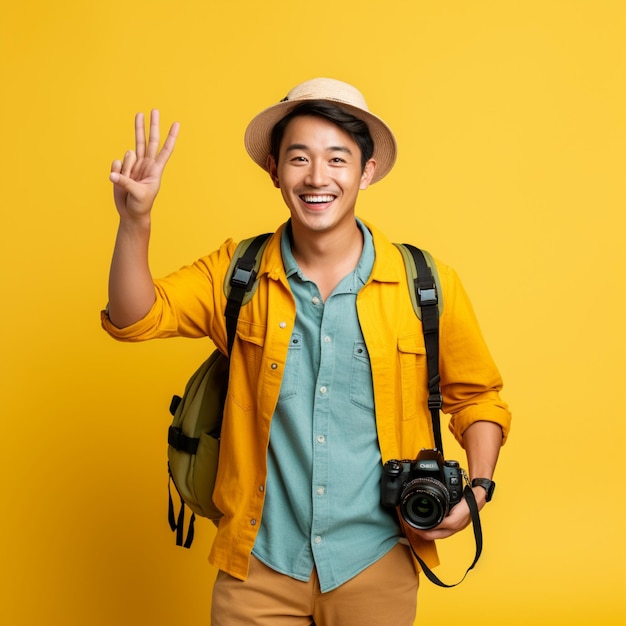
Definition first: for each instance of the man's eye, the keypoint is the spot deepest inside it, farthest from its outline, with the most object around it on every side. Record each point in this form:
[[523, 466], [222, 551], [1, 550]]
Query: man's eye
[[337, 160]]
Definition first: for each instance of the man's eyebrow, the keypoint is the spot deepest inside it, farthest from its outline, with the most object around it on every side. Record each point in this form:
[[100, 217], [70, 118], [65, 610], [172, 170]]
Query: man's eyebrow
[[340, 149], [296, 146], [302, 146]]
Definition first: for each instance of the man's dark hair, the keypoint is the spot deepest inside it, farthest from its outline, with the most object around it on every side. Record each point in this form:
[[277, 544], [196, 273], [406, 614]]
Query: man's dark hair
[[356, 128]]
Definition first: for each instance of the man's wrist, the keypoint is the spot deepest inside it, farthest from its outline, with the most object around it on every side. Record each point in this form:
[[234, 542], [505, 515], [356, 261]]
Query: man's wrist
[[487, 484]]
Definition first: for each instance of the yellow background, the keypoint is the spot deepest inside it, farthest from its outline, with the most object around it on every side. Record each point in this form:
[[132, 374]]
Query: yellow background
[[511, 123]]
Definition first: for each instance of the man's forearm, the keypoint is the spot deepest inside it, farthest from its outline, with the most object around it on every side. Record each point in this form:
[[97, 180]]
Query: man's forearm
[[482, 442], [131, 288]]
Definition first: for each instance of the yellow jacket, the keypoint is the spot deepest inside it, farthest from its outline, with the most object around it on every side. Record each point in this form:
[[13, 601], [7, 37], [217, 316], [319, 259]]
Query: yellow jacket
[[191, 303]]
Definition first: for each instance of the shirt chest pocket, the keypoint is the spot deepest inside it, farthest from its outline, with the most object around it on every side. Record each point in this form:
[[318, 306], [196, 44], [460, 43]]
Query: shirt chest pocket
[[413, 375], [292, 374], [361, 387], [244, 379]]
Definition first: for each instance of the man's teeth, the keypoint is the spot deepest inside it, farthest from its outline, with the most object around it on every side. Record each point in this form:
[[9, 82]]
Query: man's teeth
[[317, 199]]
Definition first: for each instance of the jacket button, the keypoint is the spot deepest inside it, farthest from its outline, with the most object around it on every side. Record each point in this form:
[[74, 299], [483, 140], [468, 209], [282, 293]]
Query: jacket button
[[252, 522]]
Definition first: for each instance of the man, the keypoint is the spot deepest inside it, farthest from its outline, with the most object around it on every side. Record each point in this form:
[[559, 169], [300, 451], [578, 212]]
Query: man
[[328, 372]]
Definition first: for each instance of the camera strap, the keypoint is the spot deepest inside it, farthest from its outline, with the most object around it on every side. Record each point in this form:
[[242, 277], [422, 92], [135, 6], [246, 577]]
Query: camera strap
[[426, 292], [478, 536]]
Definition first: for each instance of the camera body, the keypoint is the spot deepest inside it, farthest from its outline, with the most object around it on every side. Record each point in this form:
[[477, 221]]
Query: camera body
[[424, 489]]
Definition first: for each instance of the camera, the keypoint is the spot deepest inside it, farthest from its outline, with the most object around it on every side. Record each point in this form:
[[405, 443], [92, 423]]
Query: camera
[[424, 489]]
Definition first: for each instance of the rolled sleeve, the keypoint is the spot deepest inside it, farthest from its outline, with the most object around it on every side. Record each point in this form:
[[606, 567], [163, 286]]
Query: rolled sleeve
[[149, 327], [492, 409]]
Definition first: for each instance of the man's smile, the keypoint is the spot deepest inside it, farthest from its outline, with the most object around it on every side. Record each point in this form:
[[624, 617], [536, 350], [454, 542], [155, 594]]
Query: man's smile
[[317, 199]]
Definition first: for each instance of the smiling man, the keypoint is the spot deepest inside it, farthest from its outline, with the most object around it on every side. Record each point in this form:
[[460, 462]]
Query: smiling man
[[328, 372], [319, 170]]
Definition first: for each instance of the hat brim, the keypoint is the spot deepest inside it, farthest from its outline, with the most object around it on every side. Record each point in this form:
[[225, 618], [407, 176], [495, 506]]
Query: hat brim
[[257, 138]]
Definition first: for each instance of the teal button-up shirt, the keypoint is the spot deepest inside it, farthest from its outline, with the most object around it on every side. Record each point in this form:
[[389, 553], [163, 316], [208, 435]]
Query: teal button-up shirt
[[322, 505]]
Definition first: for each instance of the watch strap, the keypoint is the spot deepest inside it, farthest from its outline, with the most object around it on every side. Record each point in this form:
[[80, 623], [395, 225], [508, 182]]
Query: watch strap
[[488, 485]]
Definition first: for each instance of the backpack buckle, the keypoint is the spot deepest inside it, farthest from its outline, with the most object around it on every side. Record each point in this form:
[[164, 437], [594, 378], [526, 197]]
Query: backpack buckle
[[179, 441], [435, 401], [428, 297], [243, 277]]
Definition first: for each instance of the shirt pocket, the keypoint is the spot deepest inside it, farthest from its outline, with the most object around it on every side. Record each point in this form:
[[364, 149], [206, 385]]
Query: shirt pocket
[[361, 386], [291, 376], [413, 374]]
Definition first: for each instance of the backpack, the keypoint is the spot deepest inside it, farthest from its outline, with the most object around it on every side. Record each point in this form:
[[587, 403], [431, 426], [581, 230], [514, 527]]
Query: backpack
[[193, 436]]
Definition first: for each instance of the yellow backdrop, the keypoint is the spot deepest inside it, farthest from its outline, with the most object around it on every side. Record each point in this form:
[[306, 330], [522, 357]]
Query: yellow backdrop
[[511, 124]]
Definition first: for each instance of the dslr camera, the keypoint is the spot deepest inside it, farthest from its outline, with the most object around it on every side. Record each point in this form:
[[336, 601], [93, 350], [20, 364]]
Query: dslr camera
[[424, 489]]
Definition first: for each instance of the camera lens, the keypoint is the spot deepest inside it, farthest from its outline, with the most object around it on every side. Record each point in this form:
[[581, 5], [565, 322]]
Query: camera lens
[[421, 507], [424, 503]]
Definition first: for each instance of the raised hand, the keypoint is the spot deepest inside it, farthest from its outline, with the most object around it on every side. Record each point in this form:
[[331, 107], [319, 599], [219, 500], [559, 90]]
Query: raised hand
[[137, 179]]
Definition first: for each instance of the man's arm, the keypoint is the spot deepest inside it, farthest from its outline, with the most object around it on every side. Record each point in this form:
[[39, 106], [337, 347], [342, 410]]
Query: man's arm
[[136, 182], [482, 442]]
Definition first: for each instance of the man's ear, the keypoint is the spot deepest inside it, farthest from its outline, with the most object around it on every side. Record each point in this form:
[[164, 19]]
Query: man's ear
[[272, 168], [368, 174]]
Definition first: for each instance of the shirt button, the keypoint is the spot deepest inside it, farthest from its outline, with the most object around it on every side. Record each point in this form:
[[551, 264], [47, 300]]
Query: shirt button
[[283, 324], [323, 389], [327, 339], [318, 539], [320, 491], [321, 439], [315, 300]]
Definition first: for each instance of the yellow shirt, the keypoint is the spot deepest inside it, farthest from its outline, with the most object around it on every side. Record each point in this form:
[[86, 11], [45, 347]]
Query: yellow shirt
[[191, 303]]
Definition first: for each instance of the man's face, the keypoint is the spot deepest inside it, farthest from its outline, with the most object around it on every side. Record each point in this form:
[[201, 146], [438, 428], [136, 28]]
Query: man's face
[[319, 174]]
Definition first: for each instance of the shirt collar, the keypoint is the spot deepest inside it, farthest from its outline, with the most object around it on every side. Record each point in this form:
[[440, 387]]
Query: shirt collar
[[362, 271]]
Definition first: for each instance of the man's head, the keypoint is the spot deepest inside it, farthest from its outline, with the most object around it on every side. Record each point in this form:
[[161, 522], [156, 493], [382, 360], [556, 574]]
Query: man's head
[[319, 170], [335, 101]]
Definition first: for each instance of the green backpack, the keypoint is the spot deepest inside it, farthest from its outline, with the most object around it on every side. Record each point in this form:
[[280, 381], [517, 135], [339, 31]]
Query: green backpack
[[193, 436]]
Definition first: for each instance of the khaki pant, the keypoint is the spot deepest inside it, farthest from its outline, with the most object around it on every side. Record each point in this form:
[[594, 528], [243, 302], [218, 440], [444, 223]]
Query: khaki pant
[[384, 594]]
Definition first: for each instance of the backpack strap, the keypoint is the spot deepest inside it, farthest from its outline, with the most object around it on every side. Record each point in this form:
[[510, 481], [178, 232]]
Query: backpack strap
[[412, 273], [241, 285], [426, 301], [240, 280]]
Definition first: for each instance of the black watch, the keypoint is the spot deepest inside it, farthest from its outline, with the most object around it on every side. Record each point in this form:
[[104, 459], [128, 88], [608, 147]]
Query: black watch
[[488, 485]]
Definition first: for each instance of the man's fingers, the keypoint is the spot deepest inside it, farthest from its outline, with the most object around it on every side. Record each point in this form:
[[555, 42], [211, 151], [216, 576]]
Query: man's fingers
[[132, 192], [150, 150], [123, 181], [154, 138], [120, 180], [168, 145], [140, 136], [146, 161], [130, 158]]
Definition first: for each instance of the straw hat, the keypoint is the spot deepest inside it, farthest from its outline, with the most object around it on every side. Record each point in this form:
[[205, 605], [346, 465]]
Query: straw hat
[[258, 134]]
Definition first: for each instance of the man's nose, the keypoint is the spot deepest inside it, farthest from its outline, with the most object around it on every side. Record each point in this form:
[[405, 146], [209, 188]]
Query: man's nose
[[317, 176]]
